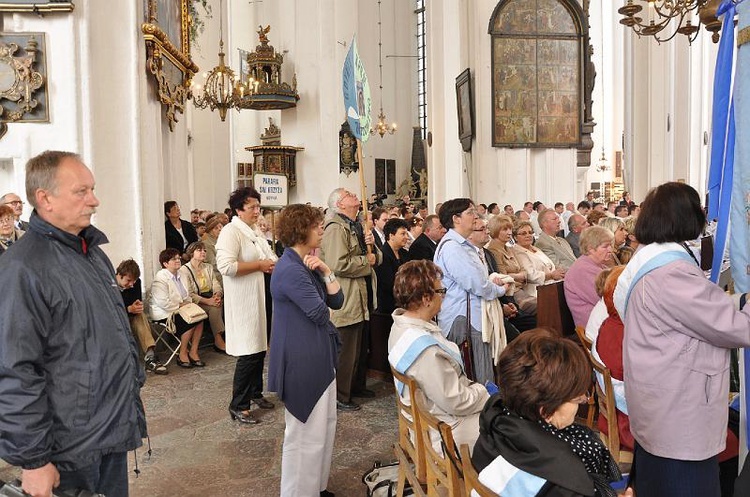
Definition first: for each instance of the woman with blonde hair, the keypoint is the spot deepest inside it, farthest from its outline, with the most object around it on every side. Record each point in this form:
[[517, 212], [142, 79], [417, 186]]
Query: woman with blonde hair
[[580, 292], [617, 227], [538, 267], [500, 228]]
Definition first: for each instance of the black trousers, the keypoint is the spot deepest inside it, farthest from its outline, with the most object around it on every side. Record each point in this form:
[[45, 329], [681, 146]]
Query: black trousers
[[662, 477], [248, 381], [109, 476]]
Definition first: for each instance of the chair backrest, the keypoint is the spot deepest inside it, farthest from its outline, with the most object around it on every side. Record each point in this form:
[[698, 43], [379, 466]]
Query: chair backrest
[[608, 409], [409, 434], [471, 478], [581, 332], [552, 309], [443, 468], [591, 404]]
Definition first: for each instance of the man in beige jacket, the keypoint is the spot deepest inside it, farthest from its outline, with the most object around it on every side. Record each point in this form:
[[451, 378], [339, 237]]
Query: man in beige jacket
[[344, 251], [554, 247]]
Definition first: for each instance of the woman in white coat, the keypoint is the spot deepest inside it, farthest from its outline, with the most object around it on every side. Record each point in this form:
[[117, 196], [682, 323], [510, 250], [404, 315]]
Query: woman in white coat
[[168, 294], [242, 256]]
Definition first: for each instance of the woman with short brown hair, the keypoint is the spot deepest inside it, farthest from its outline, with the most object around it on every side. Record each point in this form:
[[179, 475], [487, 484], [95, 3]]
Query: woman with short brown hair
[[304, 352], [529, 428], [418, 349]]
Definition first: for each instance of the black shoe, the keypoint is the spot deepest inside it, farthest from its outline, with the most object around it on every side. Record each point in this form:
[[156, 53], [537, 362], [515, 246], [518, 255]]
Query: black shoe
[[154, 366], [263, 403], [197, 362], [185, 365], [347, 406], [220, 351], [364, 394], [242, 417], [326, 493]]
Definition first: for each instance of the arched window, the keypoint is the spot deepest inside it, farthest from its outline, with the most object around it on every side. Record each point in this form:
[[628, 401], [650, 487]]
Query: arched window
[[538, 70]]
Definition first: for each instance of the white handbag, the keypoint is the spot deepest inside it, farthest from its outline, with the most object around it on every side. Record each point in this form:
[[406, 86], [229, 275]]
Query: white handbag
[[192, 313]]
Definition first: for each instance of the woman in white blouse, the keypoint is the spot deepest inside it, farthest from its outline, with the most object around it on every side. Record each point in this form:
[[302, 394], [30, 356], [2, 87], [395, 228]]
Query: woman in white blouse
[[539, 268], [168, 294], [243, 256], [205, 290]]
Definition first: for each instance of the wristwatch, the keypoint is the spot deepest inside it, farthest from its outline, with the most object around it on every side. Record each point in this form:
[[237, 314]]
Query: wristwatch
[[330, 278]]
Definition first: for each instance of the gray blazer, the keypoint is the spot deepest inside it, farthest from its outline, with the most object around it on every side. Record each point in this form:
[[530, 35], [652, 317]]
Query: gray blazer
[[557, 249]]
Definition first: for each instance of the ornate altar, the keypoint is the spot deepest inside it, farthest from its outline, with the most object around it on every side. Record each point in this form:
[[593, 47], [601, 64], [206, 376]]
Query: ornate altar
[[262, 70], [270, 157]]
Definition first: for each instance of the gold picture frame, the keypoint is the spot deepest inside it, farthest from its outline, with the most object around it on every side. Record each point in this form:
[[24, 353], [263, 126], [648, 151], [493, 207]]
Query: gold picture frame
[[166, 33], [23, 79]]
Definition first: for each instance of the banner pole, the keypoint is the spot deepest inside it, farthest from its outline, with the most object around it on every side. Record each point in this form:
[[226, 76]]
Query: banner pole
[[363, 190]]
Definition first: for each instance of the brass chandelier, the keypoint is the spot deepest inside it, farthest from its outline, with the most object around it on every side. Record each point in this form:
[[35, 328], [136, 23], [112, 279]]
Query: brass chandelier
[[381, 127], [221, 89], [665, 19]]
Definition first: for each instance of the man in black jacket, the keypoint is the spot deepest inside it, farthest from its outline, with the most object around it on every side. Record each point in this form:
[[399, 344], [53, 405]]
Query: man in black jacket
[[424, 246], [70, 378]]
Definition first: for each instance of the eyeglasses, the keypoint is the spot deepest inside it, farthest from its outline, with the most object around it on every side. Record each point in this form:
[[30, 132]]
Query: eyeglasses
[[254, 207], [524, 233], [175, 259], [15, 202], [471, 212], [440, 291], [581, 399], [7, 220]]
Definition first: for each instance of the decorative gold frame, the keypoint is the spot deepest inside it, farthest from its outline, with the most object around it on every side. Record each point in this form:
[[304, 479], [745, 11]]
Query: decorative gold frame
[[23, 95], [169, 64]]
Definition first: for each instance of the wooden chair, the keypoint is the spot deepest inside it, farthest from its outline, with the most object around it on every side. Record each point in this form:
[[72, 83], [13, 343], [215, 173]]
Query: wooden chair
[[409, 449], [607, 408], [591, 404], [443, 469], [471, 478]]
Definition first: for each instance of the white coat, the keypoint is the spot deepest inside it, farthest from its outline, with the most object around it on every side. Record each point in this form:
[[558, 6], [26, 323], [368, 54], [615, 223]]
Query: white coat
[[244, 296], [165, 297]]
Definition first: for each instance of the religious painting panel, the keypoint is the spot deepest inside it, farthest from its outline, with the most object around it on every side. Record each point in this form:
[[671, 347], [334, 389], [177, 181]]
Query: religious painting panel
[[553, 18], [536, 75], [517, 17]]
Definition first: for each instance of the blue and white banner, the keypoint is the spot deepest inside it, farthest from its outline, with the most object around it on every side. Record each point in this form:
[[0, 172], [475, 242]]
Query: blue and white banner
[[357, 100], [739, 246]]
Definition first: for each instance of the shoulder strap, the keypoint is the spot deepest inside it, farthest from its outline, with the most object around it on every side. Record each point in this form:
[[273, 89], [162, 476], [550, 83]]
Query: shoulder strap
[[197, 286], [660, 260]]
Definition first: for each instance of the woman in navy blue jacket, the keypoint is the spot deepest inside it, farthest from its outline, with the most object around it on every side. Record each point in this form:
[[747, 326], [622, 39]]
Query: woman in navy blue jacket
[[304, 350]]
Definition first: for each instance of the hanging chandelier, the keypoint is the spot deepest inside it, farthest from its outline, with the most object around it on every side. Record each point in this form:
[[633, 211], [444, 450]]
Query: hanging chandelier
[[221, 89], [381, 127], [665, 19]]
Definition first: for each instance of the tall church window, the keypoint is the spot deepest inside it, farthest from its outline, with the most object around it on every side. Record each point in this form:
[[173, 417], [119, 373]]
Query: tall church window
[[421, 67]]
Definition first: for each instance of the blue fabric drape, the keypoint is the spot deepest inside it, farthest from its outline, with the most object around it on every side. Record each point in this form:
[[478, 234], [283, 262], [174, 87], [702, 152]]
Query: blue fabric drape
[[722, 137]]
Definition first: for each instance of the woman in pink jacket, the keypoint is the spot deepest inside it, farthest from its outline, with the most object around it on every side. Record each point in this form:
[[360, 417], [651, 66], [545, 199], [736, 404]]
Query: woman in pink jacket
[[680, 329]]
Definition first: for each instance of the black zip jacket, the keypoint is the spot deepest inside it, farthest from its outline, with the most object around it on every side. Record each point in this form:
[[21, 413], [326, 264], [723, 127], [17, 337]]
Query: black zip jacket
[[70, 377]]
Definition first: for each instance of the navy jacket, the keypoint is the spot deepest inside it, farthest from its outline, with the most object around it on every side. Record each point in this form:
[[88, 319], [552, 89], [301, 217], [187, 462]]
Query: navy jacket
[[422, 249], [70, 377], [304, 342]]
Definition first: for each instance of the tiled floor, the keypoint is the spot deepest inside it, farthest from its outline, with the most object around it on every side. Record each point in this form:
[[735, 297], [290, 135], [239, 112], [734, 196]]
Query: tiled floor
[[199, 452]]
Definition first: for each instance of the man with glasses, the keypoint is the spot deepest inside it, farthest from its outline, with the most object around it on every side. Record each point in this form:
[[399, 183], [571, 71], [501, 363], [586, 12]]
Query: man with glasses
[[344, 250], [576, 224], [14, 202], [69, 372]]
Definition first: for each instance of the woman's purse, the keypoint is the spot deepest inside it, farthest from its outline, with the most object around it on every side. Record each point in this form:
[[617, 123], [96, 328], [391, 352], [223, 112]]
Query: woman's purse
[[192, 313]]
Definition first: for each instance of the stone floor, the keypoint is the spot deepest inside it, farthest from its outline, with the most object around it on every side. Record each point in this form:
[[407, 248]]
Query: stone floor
[[199, 452]]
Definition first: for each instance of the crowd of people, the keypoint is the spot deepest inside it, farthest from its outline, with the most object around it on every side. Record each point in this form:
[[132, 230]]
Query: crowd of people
[[448, 298]]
